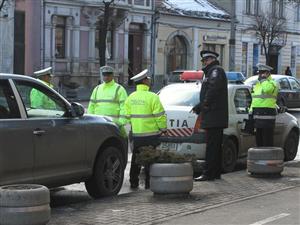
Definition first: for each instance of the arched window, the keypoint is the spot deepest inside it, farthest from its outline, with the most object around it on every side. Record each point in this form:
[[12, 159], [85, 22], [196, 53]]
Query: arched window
[[176, 54]]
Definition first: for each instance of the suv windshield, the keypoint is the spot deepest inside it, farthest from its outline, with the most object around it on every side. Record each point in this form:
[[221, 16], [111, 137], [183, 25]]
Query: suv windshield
[[181, 96]]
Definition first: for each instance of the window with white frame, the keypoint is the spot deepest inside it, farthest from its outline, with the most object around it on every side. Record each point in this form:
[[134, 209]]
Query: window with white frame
[[274, 8], [281, 9], [256, 7], [298, 13], [109, 44], [60, 37], [248, 6], [244, 58]]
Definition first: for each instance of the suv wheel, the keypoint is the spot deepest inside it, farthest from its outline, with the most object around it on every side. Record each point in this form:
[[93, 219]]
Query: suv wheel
[[291, 146], [229, 155], [108, 174]]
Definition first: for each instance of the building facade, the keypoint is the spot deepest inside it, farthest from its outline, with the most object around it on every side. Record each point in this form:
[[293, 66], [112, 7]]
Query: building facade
[[64, 34], [247, 47], [183, 30]]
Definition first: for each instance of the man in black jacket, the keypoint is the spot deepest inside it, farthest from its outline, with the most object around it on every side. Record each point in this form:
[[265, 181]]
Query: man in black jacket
[[213, 108]]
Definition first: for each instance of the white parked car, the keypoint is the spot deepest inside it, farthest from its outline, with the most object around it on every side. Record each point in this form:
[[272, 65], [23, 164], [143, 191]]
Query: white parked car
[[184, 135]]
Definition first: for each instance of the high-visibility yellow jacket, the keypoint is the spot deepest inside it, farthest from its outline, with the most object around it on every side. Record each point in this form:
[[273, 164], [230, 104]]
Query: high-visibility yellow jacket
[[264, 94], [108, 99], [38, 100], [145, 112], [263, 106]]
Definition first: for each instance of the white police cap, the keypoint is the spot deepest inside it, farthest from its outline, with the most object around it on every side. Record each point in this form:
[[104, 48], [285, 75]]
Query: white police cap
[[106, 70], [142, 75], [46, 71], [262, 67]]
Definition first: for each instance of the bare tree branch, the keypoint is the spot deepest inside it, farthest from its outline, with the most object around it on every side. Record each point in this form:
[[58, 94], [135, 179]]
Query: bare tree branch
[[269, 30], [2, 4], [110, 19], [104, 24]]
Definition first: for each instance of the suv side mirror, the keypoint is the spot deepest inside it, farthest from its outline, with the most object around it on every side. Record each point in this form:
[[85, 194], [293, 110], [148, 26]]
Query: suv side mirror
[[77, 109]]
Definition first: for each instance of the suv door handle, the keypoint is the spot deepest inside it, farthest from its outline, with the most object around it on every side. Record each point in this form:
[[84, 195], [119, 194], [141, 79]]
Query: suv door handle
[[38, 132]]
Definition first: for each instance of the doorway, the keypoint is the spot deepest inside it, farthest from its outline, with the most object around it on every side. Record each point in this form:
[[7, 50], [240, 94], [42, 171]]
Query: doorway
[[135, 50], [273, 60]]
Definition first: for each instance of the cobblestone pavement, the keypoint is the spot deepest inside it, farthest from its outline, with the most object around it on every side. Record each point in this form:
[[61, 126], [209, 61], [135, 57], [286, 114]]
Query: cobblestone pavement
[[142, 207]]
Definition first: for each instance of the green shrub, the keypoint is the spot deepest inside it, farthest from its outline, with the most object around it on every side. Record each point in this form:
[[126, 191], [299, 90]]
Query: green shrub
[[148, 155]]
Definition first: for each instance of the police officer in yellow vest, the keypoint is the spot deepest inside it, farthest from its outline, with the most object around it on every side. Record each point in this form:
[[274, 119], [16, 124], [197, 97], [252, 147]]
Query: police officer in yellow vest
[[263, 106], [108, 99], [38, 100], [148, 121]]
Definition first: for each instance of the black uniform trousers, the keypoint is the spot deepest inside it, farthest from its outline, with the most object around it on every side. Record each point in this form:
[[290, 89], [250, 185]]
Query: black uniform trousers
[[136, 168], [213, 157], [264, 137]]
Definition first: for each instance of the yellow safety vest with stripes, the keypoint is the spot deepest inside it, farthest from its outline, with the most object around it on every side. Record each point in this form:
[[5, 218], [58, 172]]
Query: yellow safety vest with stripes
[[108, 99], [145, 112], [264, 96], [38, 100]]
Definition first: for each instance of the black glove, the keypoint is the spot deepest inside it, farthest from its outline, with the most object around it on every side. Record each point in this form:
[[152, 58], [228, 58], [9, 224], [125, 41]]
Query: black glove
[[197, 109], [282, 109]]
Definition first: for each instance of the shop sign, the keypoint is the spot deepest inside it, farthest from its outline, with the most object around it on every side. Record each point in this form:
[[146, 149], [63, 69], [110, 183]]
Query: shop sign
[[213, 37]]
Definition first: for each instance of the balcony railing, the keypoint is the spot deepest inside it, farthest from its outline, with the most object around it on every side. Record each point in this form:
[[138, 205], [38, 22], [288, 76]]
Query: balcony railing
[[147, 4], [141, 4]]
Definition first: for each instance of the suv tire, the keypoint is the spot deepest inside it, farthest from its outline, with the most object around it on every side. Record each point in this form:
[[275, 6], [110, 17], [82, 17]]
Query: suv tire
[[108, 174]]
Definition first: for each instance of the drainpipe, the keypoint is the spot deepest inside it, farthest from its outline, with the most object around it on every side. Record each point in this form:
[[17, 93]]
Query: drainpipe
[[232, 37], [42, 32], [153, 45], [155, 17]]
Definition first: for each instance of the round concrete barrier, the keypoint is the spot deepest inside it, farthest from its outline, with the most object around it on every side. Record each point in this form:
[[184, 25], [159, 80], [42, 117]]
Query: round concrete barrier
[[171, 178], [265, 161], [24, 204]]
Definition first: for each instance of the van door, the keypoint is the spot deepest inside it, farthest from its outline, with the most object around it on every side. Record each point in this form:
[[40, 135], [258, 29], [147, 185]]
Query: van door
[[242, 101]]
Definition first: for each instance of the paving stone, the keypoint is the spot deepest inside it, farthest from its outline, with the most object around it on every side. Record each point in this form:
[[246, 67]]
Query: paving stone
[[142, 207]]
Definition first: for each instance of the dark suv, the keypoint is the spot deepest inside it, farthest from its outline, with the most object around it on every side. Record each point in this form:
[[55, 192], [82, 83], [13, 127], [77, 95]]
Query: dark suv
[[56, 145]]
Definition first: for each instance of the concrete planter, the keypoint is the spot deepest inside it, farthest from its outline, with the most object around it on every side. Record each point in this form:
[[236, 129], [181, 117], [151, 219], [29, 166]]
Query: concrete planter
[[24, 204], [171, 178], [265, 161]]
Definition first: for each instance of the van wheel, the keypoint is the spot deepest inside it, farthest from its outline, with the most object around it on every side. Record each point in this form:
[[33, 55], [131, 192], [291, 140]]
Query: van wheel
[[229, 155], [108, 174], [291, 146]]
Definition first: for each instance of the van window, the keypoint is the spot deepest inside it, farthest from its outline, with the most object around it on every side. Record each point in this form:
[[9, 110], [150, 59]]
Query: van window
[[242, 100]]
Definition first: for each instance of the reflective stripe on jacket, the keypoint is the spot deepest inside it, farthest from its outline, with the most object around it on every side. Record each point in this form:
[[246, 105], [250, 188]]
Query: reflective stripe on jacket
[[264, 94], [39, 100], [108, 99], [145, 112]]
